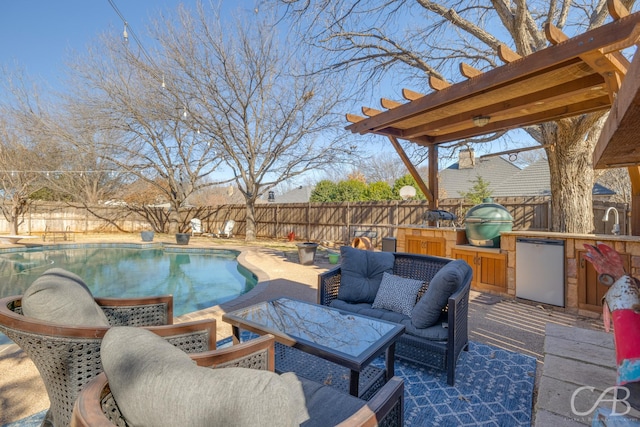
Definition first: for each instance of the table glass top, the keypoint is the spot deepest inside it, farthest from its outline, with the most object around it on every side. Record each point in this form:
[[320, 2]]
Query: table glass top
[[324, 326]]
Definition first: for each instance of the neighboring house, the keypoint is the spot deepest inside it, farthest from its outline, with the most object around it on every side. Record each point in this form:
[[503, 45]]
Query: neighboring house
[[504, 178], [460, 177], [535, 180], [300, 194]]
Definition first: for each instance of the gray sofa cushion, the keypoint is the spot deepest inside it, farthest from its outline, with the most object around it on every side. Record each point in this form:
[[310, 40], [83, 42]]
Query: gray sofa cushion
[[361, 273], [445, 282], [157, 384], [397, 293], [366, 309], [61, 297], [437, 332]]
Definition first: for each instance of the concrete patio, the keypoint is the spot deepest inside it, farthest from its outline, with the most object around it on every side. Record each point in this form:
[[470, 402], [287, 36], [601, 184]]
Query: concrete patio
[[554, 338]]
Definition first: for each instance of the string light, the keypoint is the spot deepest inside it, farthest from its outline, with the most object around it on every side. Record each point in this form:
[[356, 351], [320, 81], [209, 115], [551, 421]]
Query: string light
[[57, 173], [129, 30]]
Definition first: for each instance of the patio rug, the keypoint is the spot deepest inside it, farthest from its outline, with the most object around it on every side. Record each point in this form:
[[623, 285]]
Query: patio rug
[[494, 387]]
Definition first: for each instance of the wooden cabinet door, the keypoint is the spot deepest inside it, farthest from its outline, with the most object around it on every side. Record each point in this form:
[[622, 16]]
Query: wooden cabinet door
[[590, 290], [493, 272], [425, 245], [489, 269], [470, 258]]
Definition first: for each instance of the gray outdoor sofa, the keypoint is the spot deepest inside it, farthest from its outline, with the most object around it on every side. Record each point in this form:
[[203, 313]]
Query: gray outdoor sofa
[[441, 312]]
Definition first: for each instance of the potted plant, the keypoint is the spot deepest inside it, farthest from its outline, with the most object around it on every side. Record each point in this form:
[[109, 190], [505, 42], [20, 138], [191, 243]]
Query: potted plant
[[183, 238], [147, 235]]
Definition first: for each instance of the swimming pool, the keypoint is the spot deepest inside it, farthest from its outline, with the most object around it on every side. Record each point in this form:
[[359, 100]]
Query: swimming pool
[[197, 278]]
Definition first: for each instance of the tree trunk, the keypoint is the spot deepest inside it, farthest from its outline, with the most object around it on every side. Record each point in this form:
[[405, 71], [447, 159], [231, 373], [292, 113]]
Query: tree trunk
[[571, 170], [174, 220], [250, 234]]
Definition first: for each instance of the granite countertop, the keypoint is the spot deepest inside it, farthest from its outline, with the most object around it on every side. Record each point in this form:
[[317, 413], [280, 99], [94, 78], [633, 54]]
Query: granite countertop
[[556, 235]]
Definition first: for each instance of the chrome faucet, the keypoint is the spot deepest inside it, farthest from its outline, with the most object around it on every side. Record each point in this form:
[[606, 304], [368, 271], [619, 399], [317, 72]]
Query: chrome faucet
[[616, 226]]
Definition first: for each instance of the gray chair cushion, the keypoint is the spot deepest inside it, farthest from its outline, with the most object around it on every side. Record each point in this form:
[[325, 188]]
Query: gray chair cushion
[[428, 309], [157, 384], [326, 405], [361, 273], [397, 293], [61, 297]]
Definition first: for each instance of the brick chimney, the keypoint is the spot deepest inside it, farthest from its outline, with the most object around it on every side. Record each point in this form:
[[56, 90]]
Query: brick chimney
[[466, 159]]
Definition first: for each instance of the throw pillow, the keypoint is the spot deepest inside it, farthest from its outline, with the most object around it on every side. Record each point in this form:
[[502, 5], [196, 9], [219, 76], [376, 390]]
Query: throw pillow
[[61, 297], [397, 293], [428, 309], [157, 384], [361, 273]]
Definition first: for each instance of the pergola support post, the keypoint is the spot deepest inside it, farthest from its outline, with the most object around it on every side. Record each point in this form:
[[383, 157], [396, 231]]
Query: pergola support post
[[433, 177]]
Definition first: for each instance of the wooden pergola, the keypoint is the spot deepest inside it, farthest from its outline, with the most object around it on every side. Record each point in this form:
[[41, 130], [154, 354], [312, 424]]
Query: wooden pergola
[[571, 77]]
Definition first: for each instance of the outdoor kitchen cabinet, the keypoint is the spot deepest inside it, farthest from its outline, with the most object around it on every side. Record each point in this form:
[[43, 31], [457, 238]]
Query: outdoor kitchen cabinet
[[424, 245], [489, 268], [590, 290]]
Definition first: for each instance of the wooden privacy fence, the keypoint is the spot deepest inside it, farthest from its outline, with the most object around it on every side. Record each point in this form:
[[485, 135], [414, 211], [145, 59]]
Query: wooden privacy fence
[[318, 222]]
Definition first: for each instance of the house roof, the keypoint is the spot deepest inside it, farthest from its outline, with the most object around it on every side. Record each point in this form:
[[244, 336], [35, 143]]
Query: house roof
[[454, 180], [299, 194], [534, 180]]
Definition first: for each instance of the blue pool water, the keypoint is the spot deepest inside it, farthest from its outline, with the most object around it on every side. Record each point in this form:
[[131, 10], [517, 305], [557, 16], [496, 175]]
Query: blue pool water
[[197, 278]]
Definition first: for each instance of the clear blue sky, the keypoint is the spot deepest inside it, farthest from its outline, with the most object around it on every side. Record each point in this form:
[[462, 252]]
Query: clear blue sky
[[39, 34]]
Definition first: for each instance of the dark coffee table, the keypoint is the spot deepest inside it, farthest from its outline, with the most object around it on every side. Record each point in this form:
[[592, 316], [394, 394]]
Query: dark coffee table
[[346, 339]]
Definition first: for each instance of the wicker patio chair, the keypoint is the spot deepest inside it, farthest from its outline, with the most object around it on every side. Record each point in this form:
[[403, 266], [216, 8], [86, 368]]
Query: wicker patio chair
[[96, 407], [68, 357]]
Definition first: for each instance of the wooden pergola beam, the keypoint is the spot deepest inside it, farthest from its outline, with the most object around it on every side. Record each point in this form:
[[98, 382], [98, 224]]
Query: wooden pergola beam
[[367, 111], [352, 118], [611, 66], [411, 95], [507, 55], [614, 36], [413, 171], [513, 107], [438, 84], [389, 104], [616, 9], [468, 71]]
